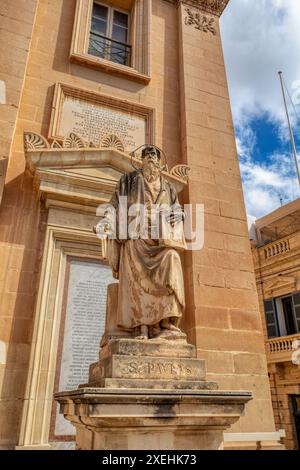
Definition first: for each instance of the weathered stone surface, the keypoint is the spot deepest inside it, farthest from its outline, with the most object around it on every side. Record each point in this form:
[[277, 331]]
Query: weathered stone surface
[[144, 367], [150, 384], [152, 347], [112, 332], [133, 419]]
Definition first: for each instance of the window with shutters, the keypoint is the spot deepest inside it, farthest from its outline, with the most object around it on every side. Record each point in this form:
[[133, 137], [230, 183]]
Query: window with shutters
[[296, 305], [114, 37], [283, 315], [271, 318]]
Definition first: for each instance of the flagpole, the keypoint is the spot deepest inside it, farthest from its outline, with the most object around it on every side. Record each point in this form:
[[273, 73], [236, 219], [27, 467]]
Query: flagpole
[[290, 128]]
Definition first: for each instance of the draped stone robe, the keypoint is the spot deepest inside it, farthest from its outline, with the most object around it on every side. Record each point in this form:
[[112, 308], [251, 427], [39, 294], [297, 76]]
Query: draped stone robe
[[150, 274]]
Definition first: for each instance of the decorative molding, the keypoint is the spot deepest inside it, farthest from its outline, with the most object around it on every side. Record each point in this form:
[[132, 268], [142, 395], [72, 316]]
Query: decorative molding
[[55, 145], [73, 141], [181, 171], [40, 154], [112, 141], [214, 7], [280, 283], [78, 174], [33, 141], [200, 22]]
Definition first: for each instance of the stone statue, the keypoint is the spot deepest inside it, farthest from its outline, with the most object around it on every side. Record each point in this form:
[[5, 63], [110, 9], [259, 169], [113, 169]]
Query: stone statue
[[146, 262]]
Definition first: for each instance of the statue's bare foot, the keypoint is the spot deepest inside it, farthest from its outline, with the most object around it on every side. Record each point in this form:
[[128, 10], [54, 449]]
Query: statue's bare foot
[[154, 330], [144, 334], [166, 324], [170, 330]]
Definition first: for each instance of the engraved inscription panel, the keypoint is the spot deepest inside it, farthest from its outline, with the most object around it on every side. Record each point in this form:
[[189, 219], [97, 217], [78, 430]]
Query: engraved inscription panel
[[84, 326], [94, 121], [158, 368]]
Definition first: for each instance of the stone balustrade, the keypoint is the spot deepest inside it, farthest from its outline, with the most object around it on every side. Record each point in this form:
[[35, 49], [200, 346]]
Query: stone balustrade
[[281, 349], [274, 249]]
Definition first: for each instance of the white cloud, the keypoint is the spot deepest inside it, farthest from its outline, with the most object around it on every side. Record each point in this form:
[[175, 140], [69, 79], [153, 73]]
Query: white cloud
[[267, 185], [261, 37]]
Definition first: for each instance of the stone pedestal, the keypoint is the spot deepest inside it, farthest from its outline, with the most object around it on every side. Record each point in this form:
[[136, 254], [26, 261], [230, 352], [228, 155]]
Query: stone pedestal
[[150, 395], [127, 419]]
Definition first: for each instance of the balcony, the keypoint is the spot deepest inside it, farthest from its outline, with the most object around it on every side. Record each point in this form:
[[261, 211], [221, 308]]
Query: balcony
[[278, 248], [109, 49], [281, 349]]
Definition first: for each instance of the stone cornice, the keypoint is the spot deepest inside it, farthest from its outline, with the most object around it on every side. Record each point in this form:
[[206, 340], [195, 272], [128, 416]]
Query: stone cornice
[[72, 171], [215, 7]]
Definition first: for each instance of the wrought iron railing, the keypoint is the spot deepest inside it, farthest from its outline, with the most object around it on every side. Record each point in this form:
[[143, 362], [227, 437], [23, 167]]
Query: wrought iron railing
[[109, 49]]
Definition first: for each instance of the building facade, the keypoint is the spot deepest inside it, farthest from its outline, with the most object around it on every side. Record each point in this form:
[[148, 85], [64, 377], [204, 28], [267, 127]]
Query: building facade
[[85, 83], [276, 260]]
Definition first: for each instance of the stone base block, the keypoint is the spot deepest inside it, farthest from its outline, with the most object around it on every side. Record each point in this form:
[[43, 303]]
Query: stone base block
[[150, 384], [150, 439], [144, 420], [145, 367], [153, 347]]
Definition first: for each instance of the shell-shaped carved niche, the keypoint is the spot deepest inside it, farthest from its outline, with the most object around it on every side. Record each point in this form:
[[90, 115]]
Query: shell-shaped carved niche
[[73, 141], [181, 171], [34, 141], [112, 141]]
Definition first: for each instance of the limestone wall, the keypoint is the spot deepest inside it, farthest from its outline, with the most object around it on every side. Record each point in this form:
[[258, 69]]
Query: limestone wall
[[17, 17], [18, 230]]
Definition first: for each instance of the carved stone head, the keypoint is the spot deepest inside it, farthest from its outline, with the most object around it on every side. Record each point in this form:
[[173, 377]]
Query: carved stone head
[[151, 162], [151, 151]]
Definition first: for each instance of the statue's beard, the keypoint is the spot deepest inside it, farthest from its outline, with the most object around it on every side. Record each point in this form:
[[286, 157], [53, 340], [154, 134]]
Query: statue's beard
[[151, 171]]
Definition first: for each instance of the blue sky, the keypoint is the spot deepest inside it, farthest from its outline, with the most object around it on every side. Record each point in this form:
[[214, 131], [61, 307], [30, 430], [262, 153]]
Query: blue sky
[[261, 37]]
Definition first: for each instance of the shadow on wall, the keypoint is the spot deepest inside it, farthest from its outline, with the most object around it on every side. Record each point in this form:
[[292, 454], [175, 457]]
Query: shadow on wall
[[166, 71], [22, 230]]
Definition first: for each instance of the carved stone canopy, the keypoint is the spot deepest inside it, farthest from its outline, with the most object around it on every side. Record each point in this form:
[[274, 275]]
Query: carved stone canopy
[[75, 172], [215, 7]]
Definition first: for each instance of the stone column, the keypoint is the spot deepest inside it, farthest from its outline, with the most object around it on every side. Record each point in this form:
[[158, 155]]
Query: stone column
[[222, 318]]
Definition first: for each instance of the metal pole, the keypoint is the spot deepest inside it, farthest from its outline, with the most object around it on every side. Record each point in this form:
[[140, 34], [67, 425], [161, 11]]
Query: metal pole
[[290, 128]]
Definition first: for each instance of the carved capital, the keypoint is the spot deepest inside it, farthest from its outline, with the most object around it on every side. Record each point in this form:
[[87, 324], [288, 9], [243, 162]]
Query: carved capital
[[214, 7]]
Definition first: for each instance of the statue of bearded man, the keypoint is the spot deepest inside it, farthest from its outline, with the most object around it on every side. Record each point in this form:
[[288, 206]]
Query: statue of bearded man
[[151, 289]]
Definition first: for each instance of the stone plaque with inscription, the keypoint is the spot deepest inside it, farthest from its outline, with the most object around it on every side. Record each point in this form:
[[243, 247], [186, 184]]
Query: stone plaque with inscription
[[83, 327], [93, 121], [144, 367]]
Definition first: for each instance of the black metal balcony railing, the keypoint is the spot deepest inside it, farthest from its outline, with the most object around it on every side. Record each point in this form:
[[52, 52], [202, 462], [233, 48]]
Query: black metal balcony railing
[[106, 48]]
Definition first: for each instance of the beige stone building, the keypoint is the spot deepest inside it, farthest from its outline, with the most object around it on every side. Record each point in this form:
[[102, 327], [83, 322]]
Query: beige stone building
[[83, 83], [276, 259]]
